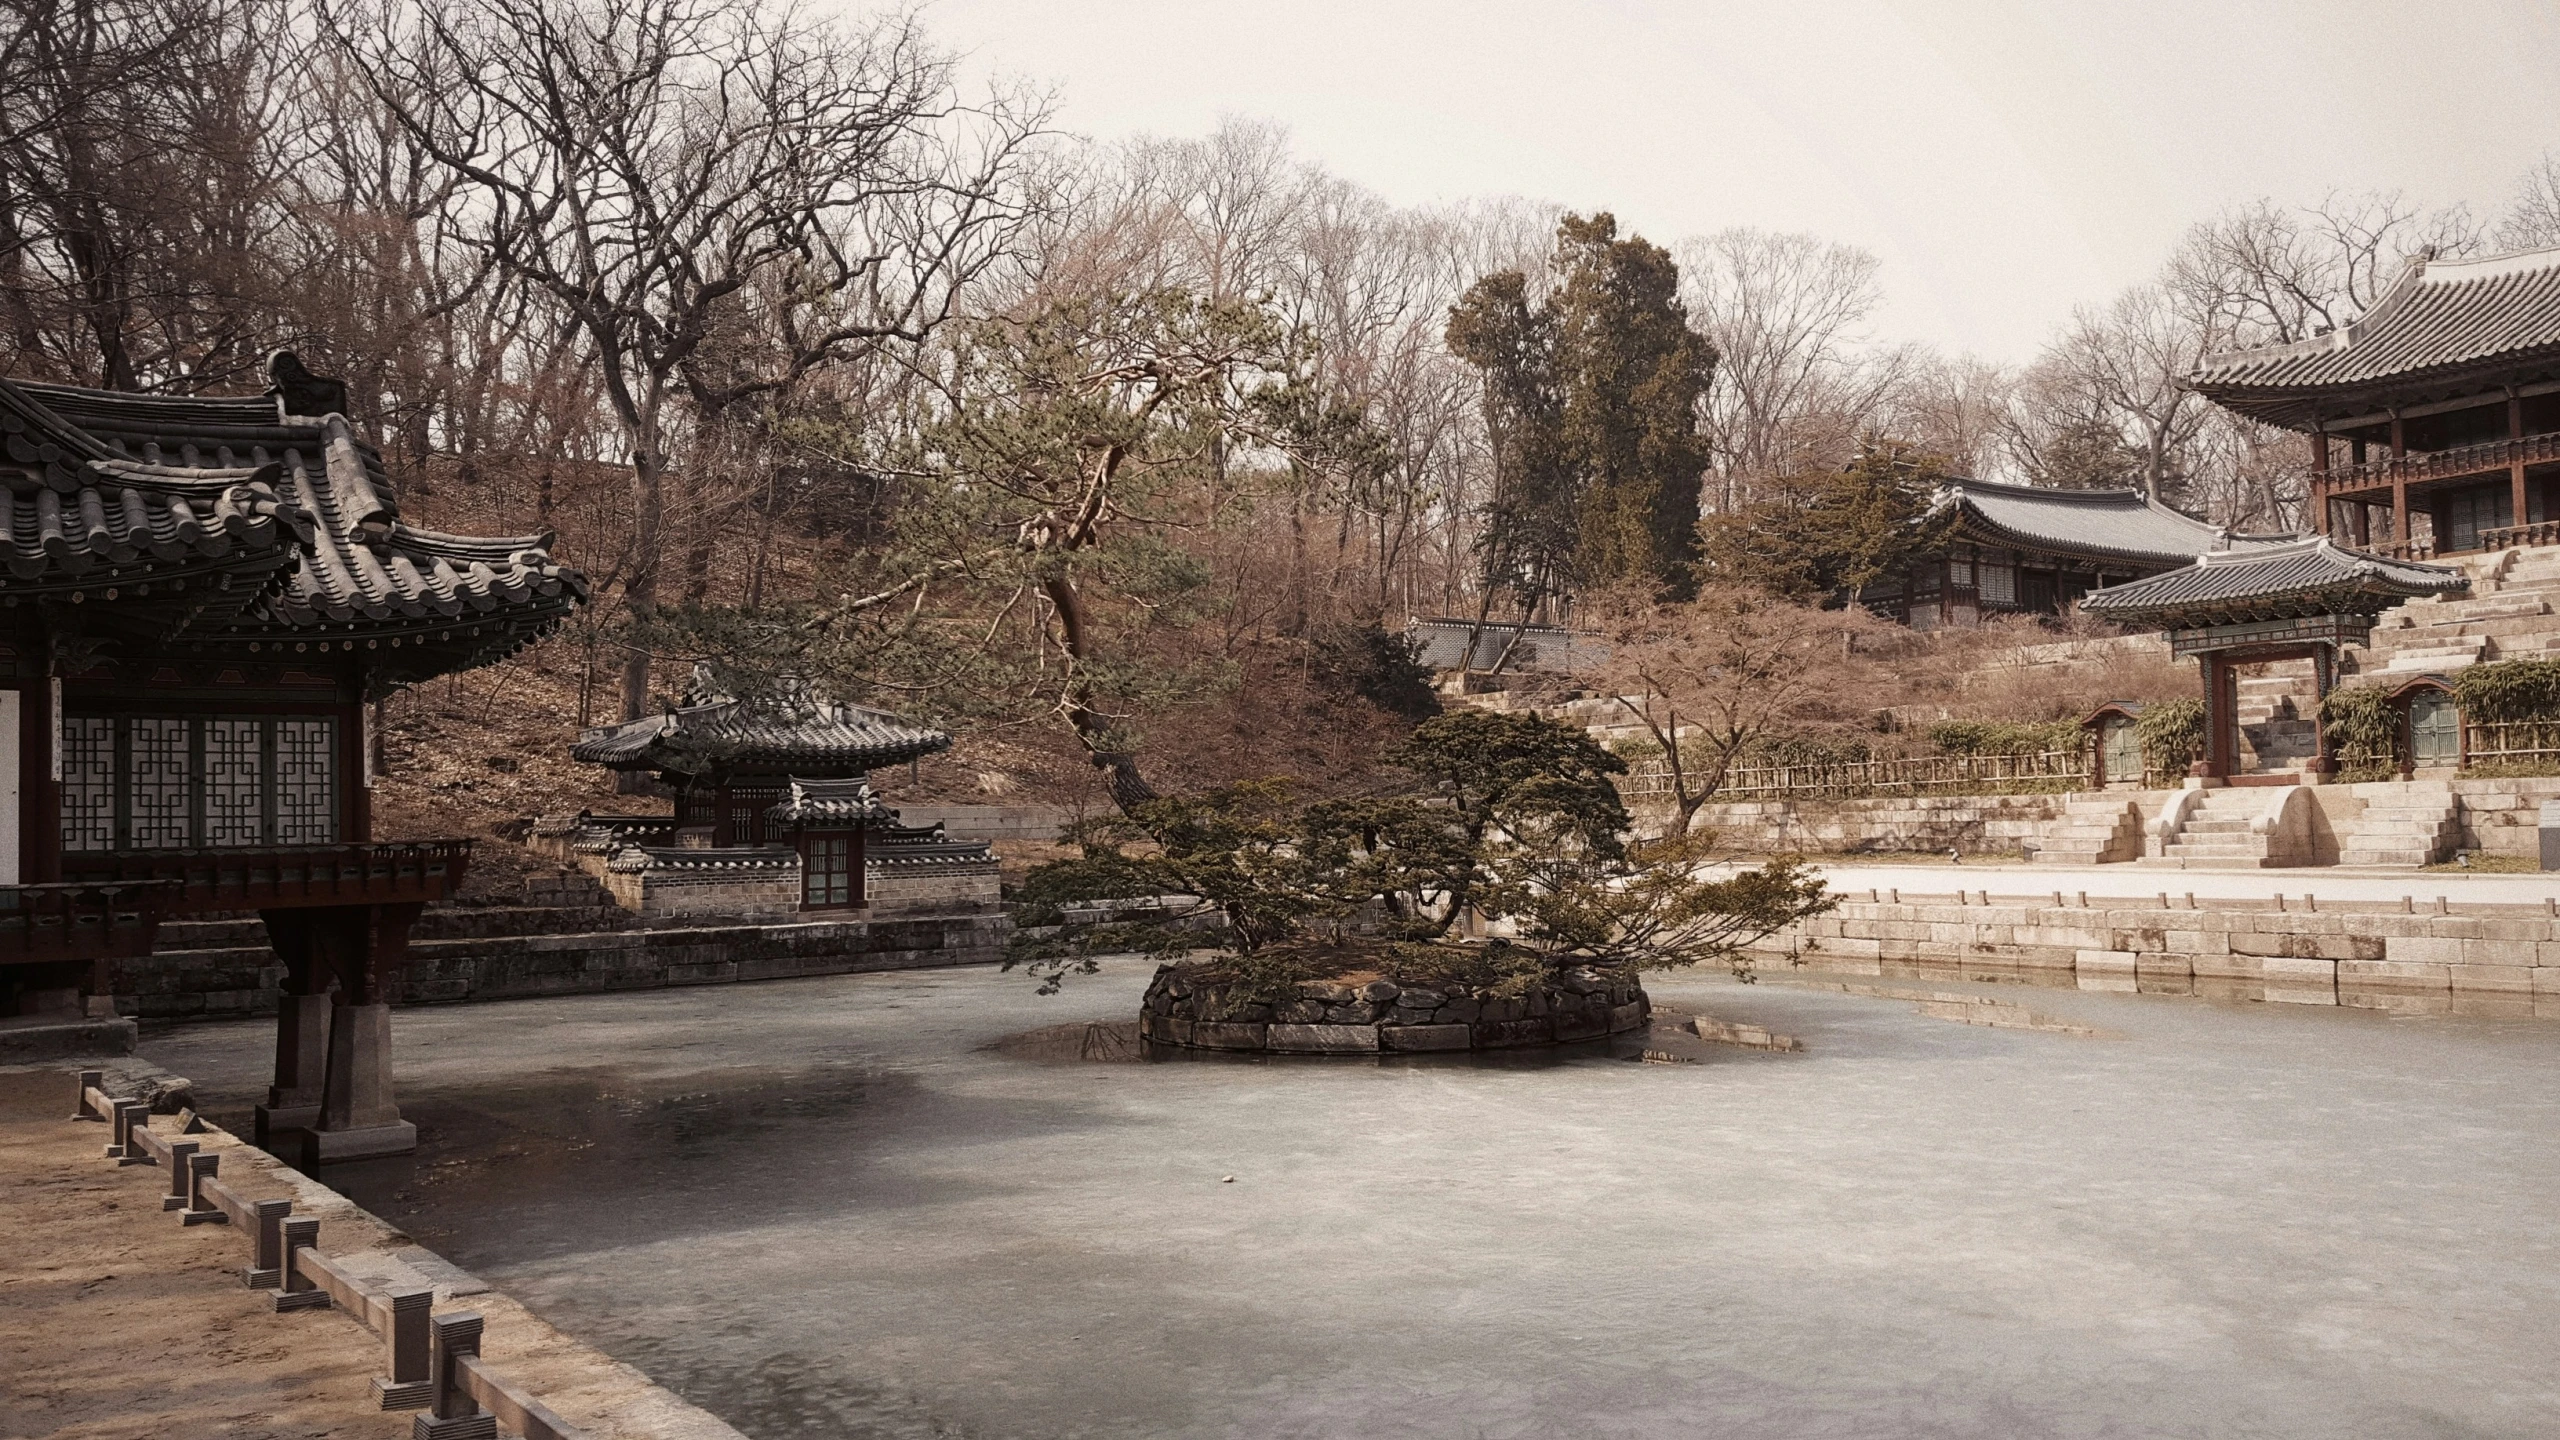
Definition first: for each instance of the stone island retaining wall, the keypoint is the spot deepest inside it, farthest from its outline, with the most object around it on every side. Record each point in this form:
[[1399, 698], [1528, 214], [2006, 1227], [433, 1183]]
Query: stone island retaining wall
[[2480, 959], [1379, 1016], [1926, 823]]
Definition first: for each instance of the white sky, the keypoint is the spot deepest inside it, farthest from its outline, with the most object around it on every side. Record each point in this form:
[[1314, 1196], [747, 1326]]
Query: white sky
[[2006, 160]]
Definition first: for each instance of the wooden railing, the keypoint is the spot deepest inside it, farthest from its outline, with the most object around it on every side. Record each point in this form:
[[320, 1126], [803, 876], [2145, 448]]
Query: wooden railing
[[2520, 742], [386, 872], [2482, 459], [430, 1362], [81, 921], [2516, 537], [1858, 779]]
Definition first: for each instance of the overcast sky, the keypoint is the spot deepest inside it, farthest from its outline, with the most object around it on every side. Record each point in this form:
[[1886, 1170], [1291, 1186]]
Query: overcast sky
[[2006, 160]]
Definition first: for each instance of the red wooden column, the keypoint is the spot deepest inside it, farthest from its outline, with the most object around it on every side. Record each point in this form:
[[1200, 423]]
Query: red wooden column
[[2400, 529], [2515, 456], [2321, 505]]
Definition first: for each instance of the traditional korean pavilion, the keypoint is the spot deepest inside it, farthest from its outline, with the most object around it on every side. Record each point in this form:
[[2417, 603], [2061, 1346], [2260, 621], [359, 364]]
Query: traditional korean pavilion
[[2432, 422], [773, 805], [2305, 600], [198, 597], [2033, 550]]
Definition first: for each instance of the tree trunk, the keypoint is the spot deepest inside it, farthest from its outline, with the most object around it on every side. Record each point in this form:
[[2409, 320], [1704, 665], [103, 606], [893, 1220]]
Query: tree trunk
[[1129, 789], [640, 581]]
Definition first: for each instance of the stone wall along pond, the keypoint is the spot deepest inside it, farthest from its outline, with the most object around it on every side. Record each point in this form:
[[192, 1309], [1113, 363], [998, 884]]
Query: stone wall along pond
[[1187, 1005]]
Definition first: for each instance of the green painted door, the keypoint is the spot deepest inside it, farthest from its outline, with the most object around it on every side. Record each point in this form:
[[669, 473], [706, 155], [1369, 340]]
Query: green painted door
[[2123, 754], [2435, 731]]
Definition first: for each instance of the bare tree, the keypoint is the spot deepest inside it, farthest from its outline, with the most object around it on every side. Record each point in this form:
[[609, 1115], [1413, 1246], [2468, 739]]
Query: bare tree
[[1795, 380], [2533, 217], [2262, 274], [655, 167], [1712, 679]]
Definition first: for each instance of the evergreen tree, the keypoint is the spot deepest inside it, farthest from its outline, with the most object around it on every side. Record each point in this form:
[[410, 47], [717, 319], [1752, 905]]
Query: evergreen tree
[[1823, 536], [1592, 402]]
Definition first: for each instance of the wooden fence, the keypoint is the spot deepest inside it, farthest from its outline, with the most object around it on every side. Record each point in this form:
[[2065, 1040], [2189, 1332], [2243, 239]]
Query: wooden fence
[[2519, 742], [430, 1362], [1862, 779]]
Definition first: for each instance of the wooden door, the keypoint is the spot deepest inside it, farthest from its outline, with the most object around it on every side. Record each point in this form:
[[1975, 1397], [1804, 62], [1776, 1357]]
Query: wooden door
[[2435, 731]]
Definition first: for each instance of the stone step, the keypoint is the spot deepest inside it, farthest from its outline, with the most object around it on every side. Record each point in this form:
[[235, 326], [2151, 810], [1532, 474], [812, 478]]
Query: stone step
[[2504, 605]]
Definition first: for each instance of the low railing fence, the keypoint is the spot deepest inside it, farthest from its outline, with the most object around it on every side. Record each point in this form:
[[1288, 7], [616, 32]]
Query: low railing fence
[[430, 1362], [2510, 742], [1863, 779]]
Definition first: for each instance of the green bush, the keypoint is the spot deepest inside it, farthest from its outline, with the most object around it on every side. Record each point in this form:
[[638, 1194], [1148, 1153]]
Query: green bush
[[2172, 735], [2506, 691], [1997, 737], [2362, 729]]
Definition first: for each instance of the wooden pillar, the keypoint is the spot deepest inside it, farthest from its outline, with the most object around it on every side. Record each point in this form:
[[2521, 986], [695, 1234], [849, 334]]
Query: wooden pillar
[[2323, 521], [2515, 457], [2209, 667], [2362, 519], [2400, 529], [39, 781]]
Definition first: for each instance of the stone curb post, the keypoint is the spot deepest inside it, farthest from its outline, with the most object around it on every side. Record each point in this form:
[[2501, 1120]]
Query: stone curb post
[[182, 1154], [301, 1232], [405, 1346], [451, 1413], [199, 1208]]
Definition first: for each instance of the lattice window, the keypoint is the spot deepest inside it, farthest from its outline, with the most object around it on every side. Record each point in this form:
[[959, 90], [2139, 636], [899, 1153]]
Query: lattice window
[[306, 795], [88, 782], [162, 783], [1999, 584], [235, 775], [826, 871]]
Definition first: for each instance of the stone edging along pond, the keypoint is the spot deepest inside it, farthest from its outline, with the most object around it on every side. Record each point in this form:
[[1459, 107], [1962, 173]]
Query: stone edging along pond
[[1365, 1018]]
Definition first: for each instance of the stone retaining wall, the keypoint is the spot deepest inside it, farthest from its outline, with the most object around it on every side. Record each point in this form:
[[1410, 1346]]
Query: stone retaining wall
[[2483, 960], [1928, 823], [1333, 1018], [509, 967]]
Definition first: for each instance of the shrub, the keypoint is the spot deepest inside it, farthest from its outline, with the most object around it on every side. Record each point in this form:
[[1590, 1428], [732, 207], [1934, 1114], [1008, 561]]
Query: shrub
[[2172, 734], [2507, 691], [1994, 737], [2362, 729]]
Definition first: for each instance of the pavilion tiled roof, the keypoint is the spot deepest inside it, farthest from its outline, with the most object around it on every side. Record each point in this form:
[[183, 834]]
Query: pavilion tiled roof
[[2100, 524], [421, 601], [2308, 577], [2443, 322], [210, 533], [793, 731], [844, 801]]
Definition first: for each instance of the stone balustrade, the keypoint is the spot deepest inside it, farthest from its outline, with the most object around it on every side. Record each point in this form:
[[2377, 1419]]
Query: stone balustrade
[[430, 1362]]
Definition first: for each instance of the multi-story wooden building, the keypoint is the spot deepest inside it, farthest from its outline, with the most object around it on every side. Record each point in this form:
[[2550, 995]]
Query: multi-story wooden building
[[2433, 422], [198, 597]]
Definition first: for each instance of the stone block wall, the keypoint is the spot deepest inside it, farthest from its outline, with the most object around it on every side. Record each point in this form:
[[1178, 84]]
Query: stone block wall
[[2503, 816], [1927, 824], [726, 890], [2481, 960], [946, 888]]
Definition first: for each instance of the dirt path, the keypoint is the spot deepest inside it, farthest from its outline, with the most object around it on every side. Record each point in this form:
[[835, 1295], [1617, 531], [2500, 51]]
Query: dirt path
[[116, 1320]]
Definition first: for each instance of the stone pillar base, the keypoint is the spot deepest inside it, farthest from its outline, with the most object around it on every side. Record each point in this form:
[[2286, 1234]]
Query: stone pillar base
[[321, 1147], [277, 1125]]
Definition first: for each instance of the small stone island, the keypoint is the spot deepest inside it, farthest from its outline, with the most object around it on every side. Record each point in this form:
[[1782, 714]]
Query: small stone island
[[1204, 1006]]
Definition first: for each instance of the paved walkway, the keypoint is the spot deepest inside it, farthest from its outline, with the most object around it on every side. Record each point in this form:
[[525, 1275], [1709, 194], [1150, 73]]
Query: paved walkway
[[2328, 882], [825, 1208]]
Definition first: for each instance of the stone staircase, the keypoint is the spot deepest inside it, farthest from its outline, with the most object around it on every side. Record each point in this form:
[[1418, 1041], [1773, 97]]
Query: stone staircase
[[2512, 612], [2416, 822], [2276, 725], [2243, 826], [2093, 830]]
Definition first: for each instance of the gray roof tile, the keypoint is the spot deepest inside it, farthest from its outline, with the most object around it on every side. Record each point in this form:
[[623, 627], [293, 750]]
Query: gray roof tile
[[2101, 524], [2307, 577]]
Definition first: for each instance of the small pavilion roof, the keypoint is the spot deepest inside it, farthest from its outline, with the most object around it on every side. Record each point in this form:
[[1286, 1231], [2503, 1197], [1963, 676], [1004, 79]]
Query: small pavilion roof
[[2308, 577], [839, 802], [793, 731], [288, 519], [2446, 326], [2104, 524]]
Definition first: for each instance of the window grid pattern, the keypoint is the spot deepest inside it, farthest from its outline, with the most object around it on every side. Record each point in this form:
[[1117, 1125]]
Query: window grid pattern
[[826, 871], [155, 782], [306, 808], [163, 782], [234, 783], [88, 783]]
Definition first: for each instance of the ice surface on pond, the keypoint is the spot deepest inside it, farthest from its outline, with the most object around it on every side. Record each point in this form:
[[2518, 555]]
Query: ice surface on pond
[[830, 1208]]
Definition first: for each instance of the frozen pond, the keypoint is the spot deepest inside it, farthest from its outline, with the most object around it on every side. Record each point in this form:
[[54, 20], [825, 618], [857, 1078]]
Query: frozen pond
[[823, 1209]]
